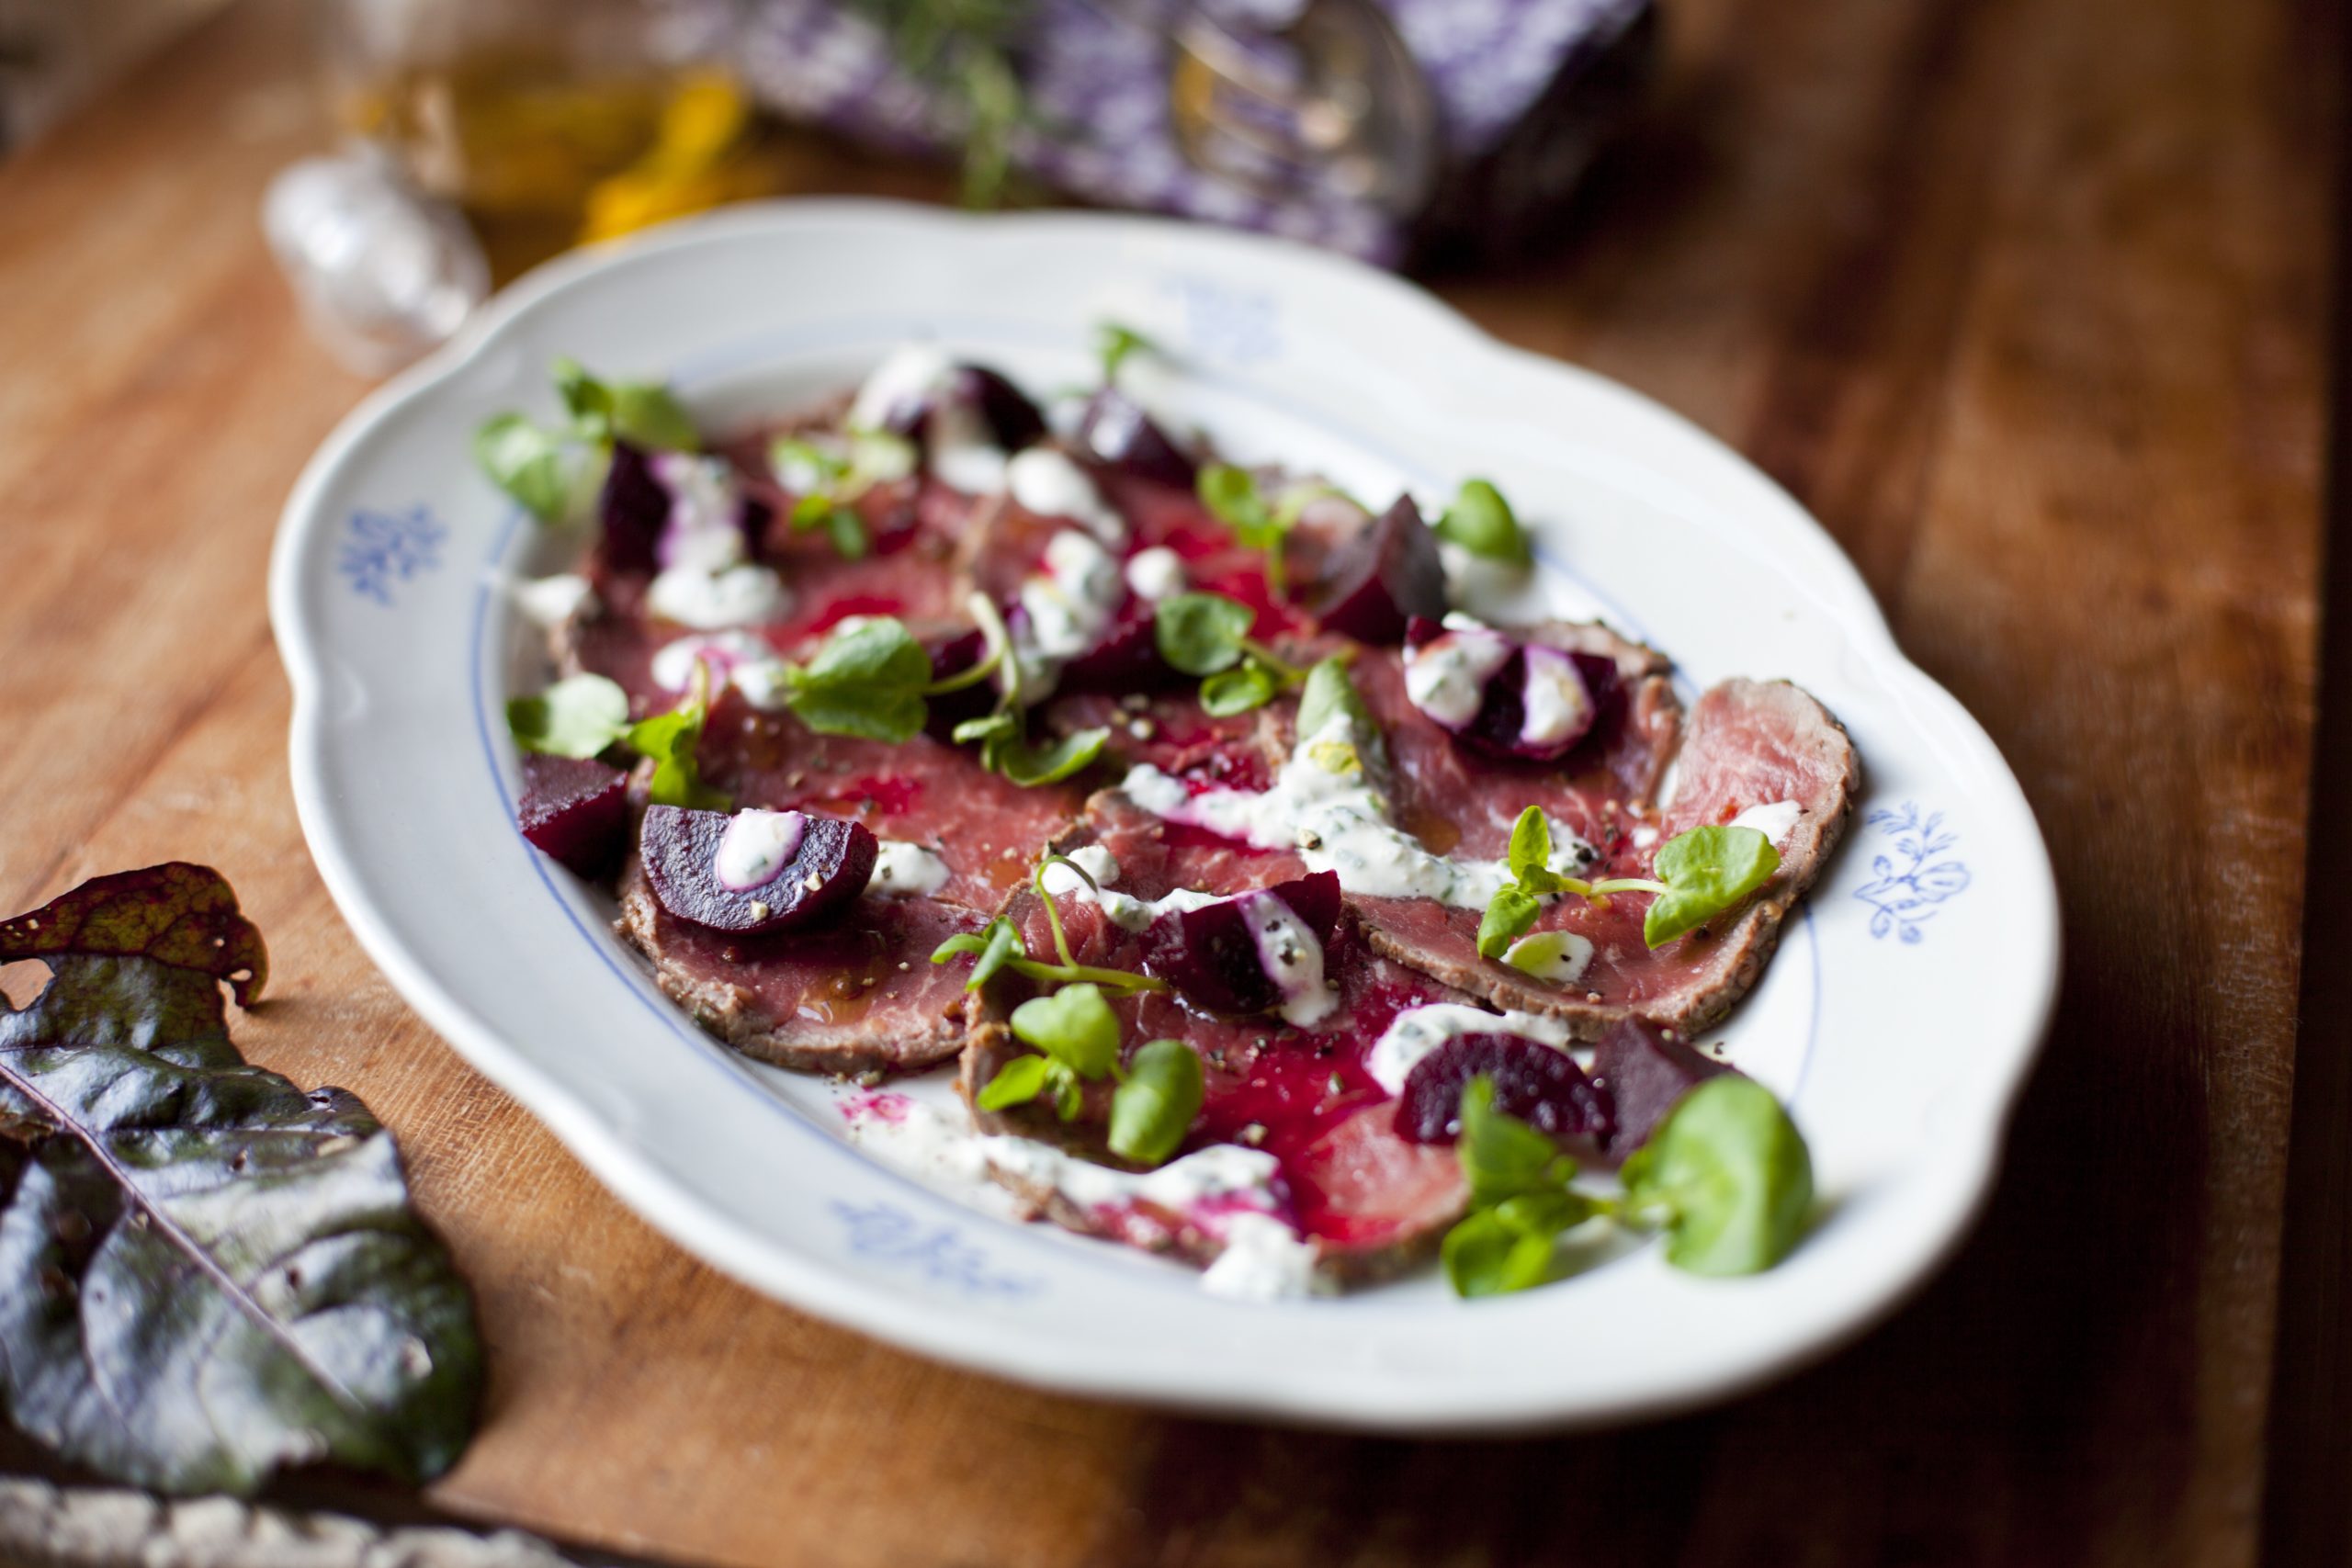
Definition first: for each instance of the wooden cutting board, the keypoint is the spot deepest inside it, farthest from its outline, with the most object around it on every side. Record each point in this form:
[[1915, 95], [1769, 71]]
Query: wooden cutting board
[[2026, 299]]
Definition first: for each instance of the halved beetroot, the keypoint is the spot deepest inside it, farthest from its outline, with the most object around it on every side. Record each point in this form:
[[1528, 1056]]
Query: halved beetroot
[[1374, 584], [1115, 432], [1212, 955], [1126, 660], [951, 653], [1539, 1084], [1644, 1071], [1524, 701], [825, 863], [1005, 407], [576, 809]]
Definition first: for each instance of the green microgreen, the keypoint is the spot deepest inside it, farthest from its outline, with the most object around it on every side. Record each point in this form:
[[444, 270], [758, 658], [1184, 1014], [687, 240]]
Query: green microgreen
[[1208, 635], [670, 740], [1701, 873], [830, 480], [553, 470], [1114, 343], [1481, 522], [1728, 1178], [581, 715], [1233, 496], [1003, 734], [1153, 1111], [1079, 1038], [1520, 1200], [999, 946]]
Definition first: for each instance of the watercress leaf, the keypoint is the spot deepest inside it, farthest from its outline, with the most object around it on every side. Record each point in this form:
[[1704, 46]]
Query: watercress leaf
[[1706, 871], [989, 727], [1030, 765], [1502, 1157], [996, 946], [534, 466], [1731, 1176], [1154, 1109], [1329, 694], [1018, 1082], [1480, 520], [1074, 1025], [1530, 844], [810, 511], [1229, 692], [1510, 914], [588, 400], [648, 414], [578, 717], [181, 1229], [1545, 1214], [803, 465], [1232, 495], [866, 680], [872, 713], [847, 531], [1069, 1099], [1201, 634], [1485, 1255], [870, 650], [1114, 343], [670, 740]]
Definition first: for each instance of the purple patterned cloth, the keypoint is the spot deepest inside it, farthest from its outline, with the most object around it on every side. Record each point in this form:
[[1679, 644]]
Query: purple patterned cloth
[[1523, 89]]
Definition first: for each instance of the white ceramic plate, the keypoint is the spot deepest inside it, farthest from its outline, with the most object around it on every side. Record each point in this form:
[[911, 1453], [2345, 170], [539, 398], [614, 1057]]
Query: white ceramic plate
[[1899, 1017]]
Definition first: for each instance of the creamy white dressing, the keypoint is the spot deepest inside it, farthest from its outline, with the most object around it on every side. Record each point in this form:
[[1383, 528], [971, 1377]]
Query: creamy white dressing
[[704, 530], [1774, 821], [1324, 807], [1558, 957], [1416, 1031], [901, 868], [964, 453], [1156, 573], [1045, 482], [1557, 704], [550, 601], [912, 372], [1065, 610], [1130, 913], [756, 847], [1234, 1175], [1446, 677], [739, 595], [1264, 1261], [729, 654], [1291, 956]]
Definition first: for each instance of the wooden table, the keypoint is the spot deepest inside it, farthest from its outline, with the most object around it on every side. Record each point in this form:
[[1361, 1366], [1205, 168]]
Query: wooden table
[[2025, 298]]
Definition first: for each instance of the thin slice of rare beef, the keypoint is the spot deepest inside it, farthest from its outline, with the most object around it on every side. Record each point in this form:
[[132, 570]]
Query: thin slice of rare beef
[[860, 995], [1765, 748]]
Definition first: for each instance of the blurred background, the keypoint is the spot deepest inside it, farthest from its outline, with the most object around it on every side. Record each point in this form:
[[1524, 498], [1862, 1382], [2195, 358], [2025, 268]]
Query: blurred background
[[469, 140]]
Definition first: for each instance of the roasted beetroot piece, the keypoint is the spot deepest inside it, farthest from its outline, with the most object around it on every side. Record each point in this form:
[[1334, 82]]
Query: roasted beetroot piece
[[1372, 585], [1126, 660], [575, 809], [1251, 954], [1539, 1084], [1644, 1071], [1005, 407], [1499, 695], [753, 871], [633, 511], [1115, 433], [951, 653]]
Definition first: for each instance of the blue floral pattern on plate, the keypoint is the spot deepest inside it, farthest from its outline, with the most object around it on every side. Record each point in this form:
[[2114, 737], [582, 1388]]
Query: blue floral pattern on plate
[[384, 547], [1904, 897], [889, 1234]]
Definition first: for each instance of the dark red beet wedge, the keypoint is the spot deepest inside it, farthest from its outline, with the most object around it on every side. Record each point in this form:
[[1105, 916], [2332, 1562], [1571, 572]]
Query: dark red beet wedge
[[829, 866], [1372, 585], [1569, 692], [1126, 660], [633, 510], [1645, 1072], [1117, 434], [1211, 954], [1537, 1083], [1005, 407], [951, 653], [576, 809]]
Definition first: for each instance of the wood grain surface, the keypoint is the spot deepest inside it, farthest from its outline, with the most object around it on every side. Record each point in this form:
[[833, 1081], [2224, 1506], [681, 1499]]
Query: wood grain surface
[[2025, 298]]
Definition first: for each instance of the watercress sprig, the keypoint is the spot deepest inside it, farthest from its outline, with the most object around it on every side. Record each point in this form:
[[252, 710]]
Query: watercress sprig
[[1726, 1176], [1159, 1093], [1208, 635], [830, 481], [553, 470], [1519, 1201], [1482, 522], [1114, 343], [586, 716], [1003, 734], [1701, 873], [998, 946], [1232, 494]]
